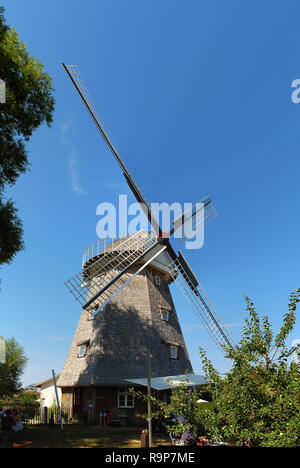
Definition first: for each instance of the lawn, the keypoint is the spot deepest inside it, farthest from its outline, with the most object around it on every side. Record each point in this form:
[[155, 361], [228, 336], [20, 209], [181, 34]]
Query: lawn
[[78, 436]]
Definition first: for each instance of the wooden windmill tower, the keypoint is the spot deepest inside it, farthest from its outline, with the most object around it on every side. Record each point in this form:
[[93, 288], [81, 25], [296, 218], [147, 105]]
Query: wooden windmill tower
[[128, 312]]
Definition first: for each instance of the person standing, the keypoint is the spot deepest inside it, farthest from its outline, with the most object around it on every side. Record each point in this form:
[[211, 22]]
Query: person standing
[[17, 424], [7, 421]]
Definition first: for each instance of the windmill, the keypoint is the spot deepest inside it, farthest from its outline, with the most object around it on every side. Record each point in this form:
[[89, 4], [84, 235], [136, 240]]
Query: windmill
[[104, 275]]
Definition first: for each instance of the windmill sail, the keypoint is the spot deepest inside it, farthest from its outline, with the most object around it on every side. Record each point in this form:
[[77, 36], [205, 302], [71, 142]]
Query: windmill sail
[[200, 213], [104, 275], [77, 81], [194, 293], [105, 272]]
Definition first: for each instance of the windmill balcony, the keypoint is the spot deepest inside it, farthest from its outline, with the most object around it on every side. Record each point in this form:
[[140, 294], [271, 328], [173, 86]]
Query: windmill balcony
[[135, 242], [109, 264], [103, 253]]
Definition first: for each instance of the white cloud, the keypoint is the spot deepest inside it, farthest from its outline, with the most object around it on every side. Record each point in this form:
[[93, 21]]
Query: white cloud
[[65, 127], [73, 157], [72, 163]]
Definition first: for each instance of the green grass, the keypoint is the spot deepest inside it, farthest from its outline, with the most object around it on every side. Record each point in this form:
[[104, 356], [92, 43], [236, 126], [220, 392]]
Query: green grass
[[78, 436]]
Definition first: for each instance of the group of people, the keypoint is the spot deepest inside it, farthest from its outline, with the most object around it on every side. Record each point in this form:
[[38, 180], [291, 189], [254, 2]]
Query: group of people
[[10, 421]]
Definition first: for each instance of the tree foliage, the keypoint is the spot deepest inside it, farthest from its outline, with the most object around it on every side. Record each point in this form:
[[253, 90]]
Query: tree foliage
[[29, 103], [258, 402], [183, 402], [10, 231], [28, 398], [12, 369]]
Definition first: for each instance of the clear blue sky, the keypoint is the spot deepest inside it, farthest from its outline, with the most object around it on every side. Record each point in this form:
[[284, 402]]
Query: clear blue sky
[[196, 96]]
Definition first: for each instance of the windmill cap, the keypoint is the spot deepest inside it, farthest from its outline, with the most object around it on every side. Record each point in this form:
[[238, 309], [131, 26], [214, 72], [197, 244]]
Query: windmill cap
[[109, 247]]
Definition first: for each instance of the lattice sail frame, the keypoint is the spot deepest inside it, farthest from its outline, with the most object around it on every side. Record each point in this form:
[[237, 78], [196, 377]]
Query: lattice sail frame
[[81, 88], [109, 265], [81, 290], [104, 274], [197, 297]]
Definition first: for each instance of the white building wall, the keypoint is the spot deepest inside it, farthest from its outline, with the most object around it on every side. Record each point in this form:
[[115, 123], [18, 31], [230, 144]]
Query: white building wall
[[48, 396]]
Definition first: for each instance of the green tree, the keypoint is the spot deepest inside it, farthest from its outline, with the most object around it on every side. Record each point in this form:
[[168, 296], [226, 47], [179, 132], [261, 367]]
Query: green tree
[[28, 398], [258, 401], [29, 102], [183, 402], [12, 369]]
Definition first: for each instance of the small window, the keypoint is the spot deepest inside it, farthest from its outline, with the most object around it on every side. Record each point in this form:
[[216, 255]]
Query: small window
[[173, 352], [157, 280], [82, 348], [165, 315], [125, 400]]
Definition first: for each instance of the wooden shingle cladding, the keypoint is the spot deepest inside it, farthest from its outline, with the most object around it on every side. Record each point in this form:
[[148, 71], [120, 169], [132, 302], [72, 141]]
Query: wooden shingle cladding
[[121, 335]]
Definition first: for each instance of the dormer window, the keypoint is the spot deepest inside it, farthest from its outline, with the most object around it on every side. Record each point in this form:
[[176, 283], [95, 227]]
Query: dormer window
[[165, 315], [173, 352], [82, 348]]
